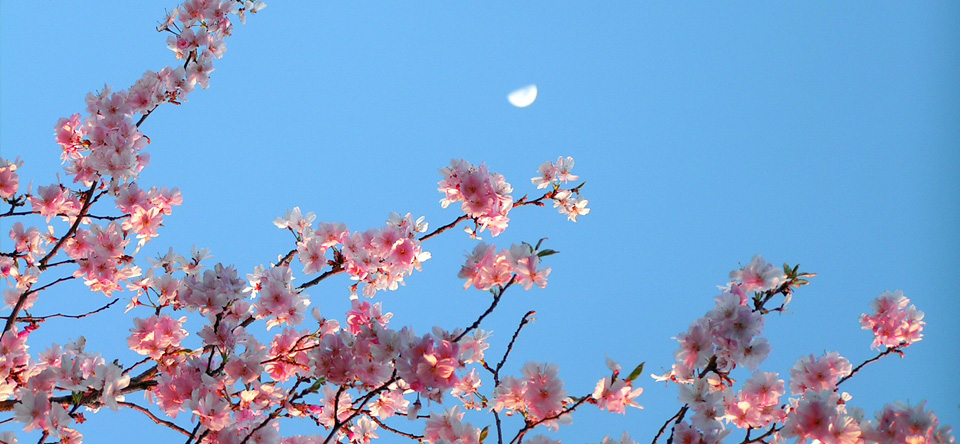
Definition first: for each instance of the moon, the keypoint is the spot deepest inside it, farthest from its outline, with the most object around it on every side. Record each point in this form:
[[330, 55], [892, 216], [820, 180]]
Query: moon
[[523, 97]]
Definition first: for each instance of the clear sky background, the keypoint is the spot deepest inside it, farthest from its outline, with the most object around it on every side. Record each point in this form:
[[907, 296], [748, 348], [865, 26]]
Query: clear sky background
[[815, 133]]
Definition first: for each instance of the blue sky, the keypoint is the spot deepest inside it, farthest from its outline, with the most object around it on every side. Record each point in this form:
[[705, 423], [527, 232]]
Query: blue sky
[[815, 133]]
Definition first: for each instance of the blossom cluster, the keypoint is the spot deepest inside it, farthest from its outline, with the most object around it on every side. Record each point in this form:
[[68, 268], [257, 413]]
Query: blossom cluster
[[486, 268], [567, 202], [728, 335], [710, 349], [62, 368], [898, 423], [757, 404], [485, 195], [9, 179], [348, 377], [893, 324], [615, 395], [156, 335], [379, 258], [108, 143], [448, 427], [538, 395]]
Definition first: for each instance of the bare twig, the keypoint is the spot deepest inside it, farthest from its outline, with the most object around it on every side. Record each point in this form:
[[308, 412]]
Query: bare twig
[[393, 430], [337, 269], [153, 417], [135, 365], [898, 350], [526, 320], [42, 265], [60, 315], [496, 300], [444, 228], [530, 425]]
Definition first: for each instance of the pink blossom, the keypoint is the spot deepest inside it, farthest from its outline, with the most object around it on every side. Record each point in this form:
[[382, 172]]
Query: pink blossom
[[109, 380], [509, 395], [624, 439], [32, 410], [448, 427], [429, 365], [485, 196], [817, 374], [816, 416], [473, 346], [758, 275], [569, 203], [544, 393], [758, 403], [69, 134], [312, 254], [900, 423], [616, 396], [156, 335], [894, 323], [295, 220], [554, 173], [389, 403], [9, 180], [526, 262]]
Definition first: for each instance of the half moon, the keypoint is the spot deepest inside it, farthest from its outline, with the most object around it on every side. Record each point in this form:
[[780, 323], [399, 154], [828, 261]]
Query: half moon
[[523, 97]]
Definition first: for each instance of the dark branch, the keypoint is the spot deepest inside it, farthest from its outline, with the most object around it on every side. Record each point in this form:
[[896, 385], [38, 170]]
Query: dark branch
[[60, 315]]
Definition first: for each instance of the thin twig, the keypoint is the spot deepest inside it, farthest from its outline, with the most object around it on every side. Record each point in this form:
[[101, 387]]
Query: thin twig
[[496, 300], [665, 424], [337, 424], [391, 429], [60, 315], [153, 417], [898, 350], [337, 269], [135, 365], [42, 265], [193, 433], [524, 321], [444, 228], [531, 425], [273, 415]]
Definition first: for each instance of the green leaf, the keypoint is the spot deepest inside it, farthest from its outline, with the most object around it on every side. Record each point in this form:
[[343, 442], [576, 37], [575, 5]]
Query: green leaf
[[316, 384], [636, 372], [546, 252], [484, 433]]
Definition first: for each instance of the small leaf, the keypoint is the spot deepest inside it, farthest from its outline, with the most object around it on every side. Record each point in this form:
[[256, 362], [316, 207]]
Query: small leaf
[[546, 252], [636, 372], [786, 268], [316, 384], [484, 433]]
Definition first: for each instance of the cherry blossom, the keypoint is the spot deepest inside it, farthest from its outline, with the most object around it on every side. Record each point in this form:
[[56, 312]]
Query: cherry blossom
[[212, 358], [894, 323]]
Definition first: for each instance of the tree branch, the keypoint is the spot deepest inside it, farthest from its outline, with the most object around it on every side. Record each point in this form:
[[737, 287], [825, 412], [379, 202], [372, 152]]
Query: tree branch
[[60, 315], [496, 300], [153, 417]]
